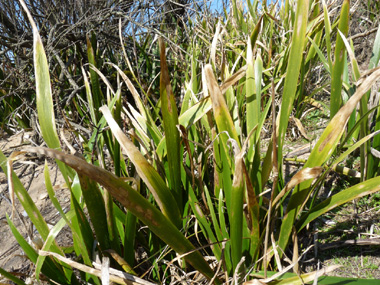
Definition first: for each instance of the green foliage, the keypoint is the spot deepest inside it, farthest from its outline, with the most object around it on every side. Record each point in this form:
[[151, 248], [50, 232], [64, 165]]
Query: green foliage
[[195, 175]]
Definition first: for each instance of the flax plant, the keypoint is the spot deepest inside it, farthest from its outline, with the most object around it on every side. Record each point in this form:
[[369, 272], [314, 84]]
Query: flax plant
[[190, 175]]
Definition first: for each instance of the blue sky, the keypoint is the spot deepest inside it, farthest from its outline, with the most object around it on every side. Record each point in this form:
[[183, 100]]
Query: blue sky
[[218, 4]]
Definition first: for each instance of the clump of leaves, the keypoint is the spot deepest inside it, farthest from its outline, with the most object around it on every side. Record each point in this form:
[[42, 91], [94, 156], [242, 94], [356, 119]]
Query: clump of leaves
[[196, 180]]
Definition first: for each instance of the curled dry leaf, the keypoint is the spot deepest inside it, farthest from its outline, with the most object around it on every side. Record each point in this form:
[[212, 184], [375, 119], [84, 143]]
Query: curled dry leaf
[[14, 156], [233, 79], [301, 176], [219, 105], [300, 128], [215, 42]]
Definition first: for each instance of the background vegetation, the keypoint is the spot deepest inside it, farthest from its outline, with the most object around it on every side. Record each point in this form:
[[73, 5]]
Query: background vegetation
[[167, 105]]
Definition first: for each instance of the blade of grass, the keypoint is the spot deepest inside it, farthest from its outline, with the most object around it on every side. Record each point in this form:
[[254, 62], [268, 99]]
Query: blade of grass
[[327, 34], [205, 225], [337, 69], [236, 218], [11, 277], [50, 269], [89, 97], [317, 38], [45, 110], [26, 201], [51, 239], [222, 116], [293, 70], [347, 195], [325, 63], [170, 121], [130, 231], [97, 211], [253, 98], [79, 243], [96, 92], [373, 163], [365, 148]]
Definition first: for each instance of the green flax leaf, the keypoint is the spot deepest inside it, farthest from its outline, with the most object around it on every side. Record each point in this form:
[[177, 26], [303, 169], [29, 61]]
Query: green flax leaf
[[236, 219], [293, 70], [45, 109], [347, 195], [170, 120], [11, 277], [338, 67]]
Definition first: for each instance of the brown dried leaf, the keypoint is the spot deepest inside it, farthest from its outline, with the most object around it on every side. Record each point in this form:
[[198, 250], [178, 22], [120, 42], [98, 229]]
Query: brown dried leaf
[[300, 128], [299, 177]]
